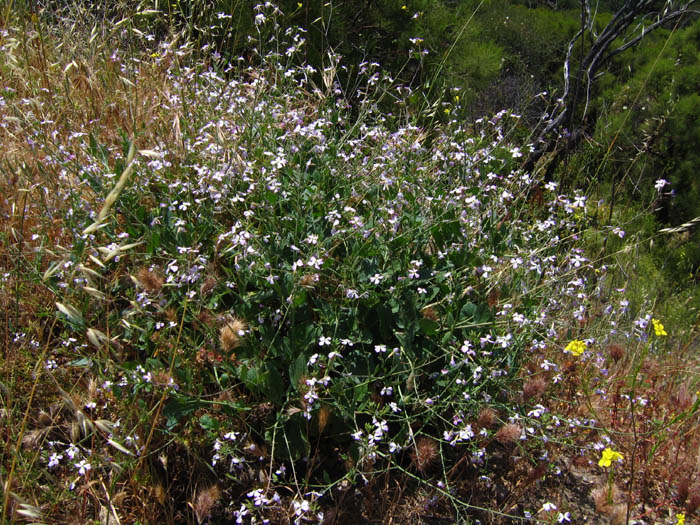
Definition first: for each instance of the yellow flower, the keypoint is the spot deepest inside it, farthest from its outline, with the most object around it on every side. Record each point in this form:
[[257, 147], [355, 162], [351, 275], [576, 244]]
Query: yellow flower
[[575, 347], [658, 328], [608, 456], [404, 7], [680, 519]]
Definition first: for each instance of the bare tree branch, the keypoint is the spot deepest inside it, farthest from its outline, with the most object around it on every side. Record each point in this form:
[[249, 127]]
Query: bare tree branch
[[631, 23]]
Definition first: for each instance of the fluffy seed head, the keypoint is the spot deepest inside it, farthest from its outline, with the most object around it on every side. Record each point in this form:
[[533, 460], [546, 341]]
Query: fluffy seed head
[[424, 454], [149, 280], [618, 514], [231, 333], [616, 351], [205, 501], [533, 388], [508, 433], [430, 313], [207, 286], [693, 502], [487, 418], [683, 489], [683, 398]]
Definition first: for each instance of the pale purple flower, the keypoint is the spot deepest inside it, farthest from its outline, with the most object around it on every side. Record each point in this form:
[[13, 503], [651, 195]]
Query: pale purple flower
[[83, 467], [659, 184]]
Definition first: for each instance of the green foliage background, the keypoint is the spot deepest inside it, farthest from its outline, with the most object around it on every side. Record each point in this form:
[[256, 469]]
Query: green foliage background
[[493, 55]]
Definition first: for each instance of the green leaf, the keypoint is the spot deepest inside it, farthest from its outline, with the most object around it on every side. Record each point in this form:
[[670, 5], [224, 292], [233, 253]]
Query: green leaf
[[428, 326], [83, 362], [274, 385], [297, 369], [293, 445], [209, 423], [386, 319], [468, 311], [178, 408]]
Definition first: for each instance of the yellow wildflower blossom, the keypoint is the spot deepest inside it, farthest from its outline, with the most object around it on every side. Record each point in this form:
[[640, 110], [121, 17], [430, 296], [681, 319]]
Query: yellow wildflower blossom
[[680, 519], [658, 328], [575, 347], [608, 456]]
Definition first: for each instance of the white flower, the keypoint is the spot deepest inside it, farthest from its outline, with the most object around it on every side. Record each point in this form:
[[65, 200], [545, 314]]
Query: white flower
[[659, 185], [548, 507], [376, 278], [324, 341], [467, 348], [72, 451], [83, 466], [301, 507], [55, 459], [547, 365]]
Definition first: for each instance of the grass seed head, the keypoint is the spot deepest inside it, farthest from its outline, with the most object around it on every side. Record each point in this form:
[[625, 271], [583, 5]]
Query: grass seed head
[[150, 280], [487, 418], [693, 501], [509, 434], [533, 388], [683, 490], [616, 351], [231, 334], [618, 514], [207, 286], [205, 501], [323, 415], [425, 453], [430, 313], [683, 399]]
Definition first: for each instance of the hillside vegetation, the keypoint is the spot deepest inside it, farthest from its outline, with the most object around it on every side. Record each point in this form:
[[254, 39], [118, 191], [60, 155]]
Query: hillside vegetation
[[236, 291]]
